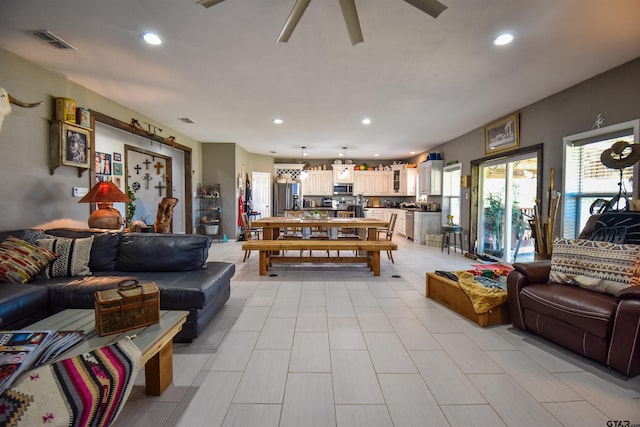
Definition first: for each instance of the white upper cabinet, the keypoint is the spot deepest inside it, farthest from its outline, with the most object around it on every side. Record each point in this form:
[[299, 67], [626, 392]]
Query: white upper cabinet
[[343, 173], [373, 183], [404, 180], [318, 183], [430, 181]]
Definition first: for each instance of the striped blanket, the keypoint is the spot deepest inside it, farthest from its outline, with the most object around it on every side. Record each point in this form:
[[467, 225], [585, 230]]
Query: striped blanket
[[86, 390]]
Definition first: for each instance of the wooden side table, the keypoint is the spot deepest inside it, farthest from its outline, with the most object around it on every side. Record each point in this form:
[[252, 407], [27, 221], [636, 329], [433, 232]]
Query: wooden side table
[[154, 341], [448, 293]]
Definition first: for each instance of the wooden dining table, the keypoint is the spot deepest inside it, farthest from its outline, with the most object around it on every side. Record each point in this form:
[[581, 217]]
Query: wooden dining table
[[271, 226]]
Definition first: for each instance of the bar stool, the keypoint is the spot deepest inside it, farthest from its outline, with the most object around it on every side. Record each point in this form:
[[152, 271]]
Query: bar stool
[[447, 232]]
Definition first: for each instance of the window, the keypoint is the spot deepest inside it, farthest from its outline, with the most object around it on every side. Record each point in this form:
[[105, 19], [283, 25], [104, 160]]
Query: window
[[586, 179], [451, 192]]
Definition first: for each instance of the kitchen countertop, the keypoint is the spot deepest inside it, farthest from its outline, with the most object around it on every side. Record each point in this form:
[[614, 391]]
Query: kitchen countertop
[[404, 209], [324, 208]]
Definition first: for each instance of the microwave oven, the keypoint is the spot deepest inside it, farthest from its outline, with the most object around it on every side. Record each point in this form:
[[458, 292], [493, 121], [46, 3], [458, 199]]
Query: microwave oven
[[341, 188]]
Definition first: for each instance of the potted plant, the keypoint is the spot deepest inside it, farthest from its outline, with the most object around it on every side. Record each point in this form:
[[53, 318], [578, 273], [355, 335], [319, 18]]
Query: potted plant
[[494, 215]]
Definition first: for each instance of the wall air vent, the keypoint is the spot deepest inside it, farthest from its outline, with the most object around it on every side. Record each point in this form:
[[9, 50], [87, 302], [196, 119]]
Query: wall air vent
[[187, 120], [52, 39]]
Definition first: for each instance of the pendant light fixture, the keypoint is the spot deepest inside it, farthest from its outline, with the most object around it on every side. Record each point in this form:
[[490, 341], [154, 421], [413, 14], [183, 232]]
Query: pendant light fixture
[[303, 173], [344, 174]]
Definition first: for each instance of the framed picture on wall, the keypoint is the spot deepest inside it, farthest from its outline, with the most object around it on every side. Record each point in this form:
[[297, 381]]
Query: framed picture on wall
[[74, 147], [117, 157], [117, 168], [502, 135], [103, 163]]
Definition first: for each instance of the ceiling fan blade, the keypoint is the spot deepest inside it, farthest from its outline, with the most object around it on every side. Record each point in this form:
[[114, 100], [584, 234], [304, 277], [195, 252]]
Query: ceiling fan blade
[[430, 7], [209, 3], [292, 20], [351, 20]]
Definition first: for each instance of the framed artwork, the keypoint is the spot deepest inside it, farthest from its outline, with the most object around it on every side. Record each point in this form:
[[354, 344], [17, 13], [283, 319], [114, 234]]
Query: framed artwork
[[117, 168], [101, 178], [117, 181], [103, 163], [502, 135], [74, 146], [117, 157]]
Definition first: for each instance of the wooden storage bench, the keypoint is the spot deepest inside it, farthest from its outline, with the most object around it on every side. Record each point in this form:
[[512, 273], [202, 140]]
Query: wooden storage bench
[[448, 293], [369, 249]]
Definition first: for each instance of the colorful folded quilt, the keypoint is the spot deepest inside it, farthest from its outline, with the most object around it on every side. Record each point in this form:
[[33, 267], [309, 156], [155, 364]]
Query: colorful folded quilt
[[482, 298]]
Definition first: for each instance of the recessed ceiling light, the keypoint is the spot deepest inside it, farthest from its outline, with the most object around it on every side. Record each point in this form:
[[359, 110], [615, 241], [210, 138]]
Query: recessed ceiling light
[[152, 39], [412, 152], [503, 39], [366, 121], [376, 155], [278, 121]]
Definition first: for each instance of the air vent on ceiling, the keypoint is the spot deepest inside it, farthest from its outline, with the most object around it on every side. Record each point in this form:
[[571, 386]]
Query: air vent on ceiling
[[52, 39], [187, 120]]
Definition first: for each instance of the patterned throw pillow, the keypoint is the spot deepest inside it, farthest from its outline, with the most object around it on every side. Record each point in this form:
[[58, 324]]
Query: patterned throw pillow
[[32, 236], [598, 266], [20, 261], [73, 259]]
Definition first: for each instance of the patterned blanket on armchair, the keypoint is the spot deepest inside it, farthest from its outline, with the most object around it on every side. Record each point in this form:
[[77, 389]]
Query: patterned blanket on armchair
[[86, 390]]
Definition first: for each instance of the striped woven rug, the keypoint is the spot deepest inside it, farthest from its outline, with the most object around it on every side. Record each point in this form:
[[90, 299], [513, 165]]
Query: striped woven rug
[[86, 390]]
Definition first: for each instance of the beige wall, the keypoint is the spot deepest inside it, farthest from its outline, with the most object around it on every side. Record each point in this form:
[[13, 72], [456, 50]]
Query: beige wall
[[615, 94], [30, 195], [223, 163]]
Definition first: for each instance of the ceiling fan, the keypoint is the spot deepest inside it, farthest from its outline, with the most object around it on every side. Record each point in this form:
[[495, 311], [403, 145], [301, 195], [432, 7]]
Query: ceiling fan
[[431, 7]]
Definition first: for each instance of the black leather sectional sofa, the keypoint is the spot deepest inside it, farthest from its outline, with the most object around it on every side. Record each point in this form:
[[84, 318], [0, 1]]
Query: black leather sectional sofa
[[177, 263]]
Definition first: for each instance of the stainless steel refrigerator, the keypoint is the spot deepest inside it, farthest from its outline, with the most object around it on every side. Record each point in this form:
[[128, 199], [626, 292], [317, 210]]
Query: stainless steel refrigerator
[[286, 196]]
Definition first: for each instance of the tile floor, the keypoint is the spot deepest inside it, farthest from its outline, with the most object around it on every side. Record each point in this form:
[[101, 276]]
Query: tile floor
[[323, 346]]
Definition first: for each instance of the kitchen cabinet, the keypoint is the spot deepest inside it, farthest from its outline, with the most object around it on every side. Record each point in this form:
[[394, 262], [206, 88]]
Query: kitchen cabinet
[[404, 180], [373, 183], [362, 184], [384, 214], [343, 173], [424, 223], [318, 183], [401, 221], [377, 213], [431, 178]]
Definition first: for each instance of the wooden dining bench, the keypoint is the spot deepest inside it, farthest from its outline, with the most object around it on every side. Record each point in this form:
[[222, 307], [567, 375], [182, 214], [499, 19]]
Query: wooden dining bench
[[368, 251]]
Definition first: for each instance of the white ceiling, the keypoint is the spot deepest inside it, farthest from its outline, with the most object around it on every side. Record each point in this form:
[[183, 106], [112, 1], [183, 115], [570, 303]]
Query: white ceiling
[[422, 81]]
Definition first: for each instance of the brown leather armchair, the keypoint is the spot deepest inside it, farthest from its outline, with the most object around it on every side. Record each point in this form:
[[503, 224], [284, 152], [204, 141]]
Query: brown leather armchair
[[600, 326]]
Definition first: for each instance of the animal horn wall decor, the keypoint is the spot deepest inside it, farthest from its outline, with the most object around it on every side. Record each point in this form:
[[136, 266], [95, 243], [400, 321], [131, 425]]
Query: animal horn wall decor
[[5, 104]]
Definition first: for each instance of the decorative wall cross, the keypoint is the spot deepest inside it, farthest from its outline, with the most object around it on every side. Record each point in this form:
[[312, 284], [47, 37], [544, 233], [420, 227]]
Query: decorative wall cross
[[147, 163], [158, 167], [137, 168], [146, 178], [160, 187]]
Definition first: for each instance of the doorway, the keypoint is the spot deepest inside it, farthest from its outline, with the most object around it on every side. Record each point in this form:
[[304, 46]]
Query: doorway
[[261, 193], [507, 192]]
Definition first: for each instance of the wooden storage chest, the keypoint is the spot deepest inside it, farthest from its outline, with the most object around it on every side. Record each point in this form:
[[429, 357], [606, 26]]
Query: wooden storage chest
[[130, 306], [448, 293]]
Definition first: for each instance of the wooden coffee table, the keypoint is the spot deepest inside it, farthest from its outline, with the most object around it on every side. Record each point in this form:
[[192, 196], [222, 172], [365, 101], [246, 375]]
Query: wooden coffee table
[[448, 293], [154, 341]]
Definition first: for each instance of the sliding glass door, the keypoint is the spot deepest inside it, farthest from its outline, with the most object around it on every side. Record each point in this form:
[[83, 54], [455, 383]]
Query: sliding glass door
[[507, 189]]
